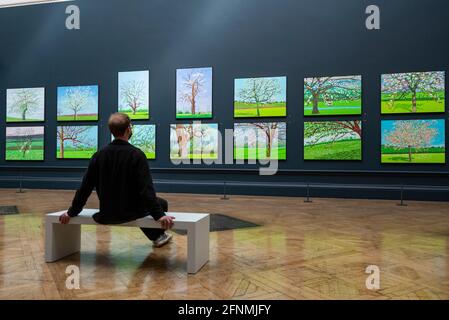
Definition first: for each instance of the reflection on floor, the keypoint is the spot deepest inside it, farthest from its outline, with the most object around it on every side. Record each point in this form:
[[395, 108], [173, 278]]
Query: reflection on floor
[[316, 250]]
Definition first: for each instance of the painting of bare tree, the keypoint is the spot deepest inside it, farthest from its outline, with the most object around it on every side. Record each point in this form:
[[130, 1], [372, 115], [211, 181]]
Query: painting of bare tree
[[260, 141], [194, 141], [76, 142], [25, 143], [194, 93], [413, 92], [260, 97], [144, 138], [134, 94], [77, 103], [413, 141], [25, 105]]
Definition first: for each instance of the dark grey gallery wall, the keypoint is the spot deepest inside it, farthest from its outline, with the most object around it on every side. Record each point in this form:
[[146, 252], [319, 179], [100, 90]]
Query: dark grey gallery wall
[[238, 38]]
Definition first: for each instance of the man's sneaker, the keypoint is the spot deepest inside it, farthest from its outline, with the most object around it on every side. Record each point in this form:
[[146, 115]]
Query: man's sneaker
[[162, 240]]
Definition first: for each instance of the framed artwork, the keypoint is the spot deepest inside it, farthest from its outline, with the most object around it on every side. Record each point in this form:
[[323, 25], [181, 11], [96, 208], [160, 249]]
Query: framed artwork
[[332, 96], [134, 94], [76, 142], [25, 105], [254, 141], [194, 93], [413, 141], [144, 138], [25, 143], [194, 141], [413, 92], [260, 97], [333, 140], [77, 103]]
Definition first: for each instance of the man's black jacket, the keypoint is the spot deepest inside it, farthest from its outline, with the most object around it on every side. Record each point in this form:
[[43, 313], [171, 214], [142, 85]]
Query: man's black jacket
[[120, 174]]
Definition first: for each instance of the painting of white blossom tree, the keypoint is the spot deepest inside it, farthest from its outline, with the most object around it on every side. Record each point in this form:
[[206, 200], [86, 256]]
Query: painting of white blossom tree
[[194, 141], [260, 97], [413, 141], [194, 93], [134, 94], [25, 105], [413, 92], [77, 103], [25, 143]]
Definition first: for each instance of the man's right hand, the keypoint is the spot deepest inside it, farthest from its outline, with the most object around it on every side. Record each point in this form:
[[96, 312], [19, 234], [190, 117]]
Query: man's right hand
[[166, 222]]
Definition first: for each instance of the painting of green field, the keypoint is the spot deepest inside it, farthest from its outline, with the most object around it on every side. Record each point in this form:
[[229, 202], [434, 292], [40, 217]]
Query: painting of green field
[[333, 140], [194, 141], [76, 142], [194, 93], [247, 153], [138, 115], [24, 144], [413, 141], [25, 105], [189, 115], [77, 103], [134, 94], [260, 97], [414, 92], [336, 95], [260, 141]]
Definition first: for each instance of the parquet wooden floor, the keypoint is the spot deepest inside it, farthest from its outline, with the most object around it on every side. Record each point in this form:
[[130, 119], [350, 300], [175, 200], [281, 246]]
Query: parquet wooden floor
[[302, 250]]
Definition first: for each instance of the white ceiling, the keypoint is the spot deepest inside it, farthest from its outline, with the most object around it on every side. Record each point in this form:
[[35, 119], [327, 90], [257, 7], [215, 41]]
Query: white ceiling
[[14, 3]]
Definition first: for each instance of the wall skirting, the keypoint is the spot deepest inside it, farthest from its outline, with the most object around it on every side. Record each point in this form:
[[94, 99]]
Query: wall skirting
[[234, 187]]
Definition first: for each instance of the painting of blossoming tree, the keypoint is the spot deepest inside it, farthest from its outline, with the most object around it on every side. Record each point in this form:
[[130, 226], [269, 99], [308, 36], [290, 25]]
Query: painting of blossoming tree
[[414, 92], [25, 143], [194, 93], [337, 95], [413, 141], [134, 94]]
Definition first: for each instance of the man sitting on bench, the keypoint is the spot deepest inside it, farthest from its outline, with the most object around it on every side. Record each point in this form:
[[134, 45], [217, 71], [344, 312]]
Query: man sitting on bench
[[121, 176]]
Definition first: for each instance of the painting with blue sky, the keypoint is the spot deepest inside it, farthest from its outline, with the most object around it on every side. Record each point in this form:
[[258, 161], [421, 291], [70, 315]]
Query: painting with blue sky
[[76, 142], [25, 105], [260, 97], [134, 94], [194, 93], [413, 141], [77, 103]]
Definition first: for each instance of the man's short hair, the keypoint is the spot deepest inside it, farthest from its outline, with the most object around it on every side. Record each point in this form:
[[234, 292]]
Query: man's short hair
[[118, 123]]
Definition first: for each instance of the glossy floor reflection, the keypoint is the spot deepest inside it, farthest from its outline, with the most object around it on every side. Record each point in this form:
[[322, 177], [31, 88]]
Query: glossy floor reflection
[[316, 250]]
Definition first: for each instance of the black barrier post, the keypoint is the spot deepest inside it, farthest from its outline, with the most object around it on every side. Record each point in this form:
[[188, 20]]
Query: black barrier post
[[402, 204], [225, 196], [307, 200], [20, 183]]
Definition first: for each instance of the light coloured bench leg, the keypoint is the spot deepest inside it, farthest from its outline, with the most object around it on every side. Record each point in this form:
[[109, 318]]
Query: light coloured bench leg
[[61, 240], [198, 245]]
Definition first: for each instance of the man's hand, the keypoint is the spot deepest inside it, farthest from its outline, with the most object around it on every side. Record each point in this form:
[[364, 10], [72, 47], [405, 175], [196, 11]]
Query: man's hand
[[64, 218], [166, 222]]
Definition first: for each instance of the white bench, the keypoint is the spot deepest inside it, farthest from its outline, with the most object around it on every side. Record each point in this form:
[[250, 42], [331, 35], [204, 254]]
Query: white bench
[[64, 240]]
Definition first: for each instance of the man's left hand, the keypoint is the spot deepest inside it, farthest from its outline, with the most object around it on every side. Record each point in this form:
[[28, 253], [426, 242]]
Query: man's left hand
[[64, 218]]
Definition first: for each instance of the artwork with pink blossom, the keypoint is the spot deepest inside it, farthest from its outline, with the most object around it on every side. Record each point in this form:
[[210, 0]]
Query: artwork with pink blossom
[[413, 141]]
